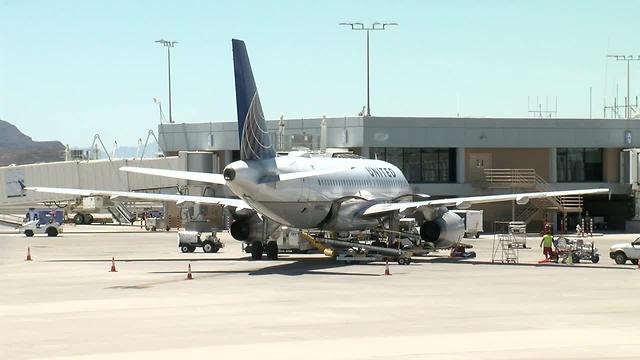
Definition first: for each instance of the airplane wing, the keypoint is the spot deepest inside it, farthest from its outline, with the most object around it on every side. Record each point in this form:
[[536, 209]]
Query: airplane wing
[[466, 202], [179, 199]]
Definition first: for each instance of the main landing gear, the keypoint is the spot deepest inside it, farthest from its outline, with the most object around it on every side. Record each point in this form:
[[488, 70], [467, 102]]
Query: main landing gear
[[257, 249]]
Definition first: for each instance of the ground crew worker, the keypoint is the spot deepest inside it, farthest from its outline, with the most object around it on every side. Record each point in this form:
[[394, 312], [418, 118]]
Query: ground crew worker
[[546, 244]]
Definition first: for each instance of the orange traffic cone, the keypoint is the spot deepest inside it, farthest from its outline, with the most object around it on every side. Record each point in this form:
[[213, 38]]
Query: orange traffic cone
[[113, 265], [386, 268], [28, 254], [189, 276]]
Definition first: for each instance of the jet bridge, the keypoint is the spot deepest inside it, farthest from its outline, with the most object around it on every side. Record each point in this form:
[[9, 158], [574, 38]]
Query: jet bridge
[[105, 175], [94, 174]]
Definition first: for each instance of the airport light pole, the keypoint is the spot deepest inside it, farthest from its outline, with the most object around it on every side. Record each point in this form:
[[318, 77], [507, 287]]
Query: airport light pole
[[628, 59], [361, 27], [168, 45]]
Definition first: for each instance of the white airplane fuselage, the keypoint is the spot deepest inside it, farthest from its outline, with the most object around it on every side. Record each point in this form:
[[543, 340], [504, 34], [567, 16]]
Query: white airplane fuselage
[[307, 202]]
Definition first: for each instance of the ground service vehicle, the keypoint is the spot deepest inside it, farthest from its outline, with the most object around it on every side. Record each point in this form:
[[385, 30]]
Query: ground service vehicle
[[620, 253], [188, 241], [33, 227]]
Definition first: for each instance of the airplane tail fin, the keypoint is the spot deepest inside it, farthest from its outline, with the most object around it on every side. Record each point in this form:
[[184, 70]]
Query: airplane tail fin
[[255, 142]]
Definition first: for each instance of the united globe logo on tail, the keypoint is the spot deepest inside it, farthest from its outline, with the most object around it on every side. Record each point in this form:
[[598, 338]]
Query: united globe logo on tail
[[255, 142]]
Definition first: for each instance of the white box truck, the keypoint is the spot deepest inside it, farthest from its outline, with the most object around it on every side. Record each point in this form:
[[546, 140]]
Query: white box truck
[[472, 222]]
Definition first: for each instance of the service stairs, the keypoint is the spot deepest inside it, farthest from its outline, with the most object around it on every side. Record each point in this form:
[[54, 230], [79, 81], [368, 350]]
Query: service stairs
[[505, 249], [11, 220], [122, 214], [527, 180]]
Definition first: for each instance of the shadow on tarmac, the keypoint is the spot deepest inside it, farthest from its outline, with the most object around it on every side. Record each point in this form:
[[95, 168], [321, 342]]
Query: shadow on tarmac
[[298, 266], [144, 260], [449, 260]]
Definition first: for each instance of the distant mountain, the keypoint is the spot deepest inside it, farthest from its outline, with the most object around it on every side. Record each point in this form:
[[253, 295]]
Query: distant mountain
[[130, 152], [127, 152], [18, 148]]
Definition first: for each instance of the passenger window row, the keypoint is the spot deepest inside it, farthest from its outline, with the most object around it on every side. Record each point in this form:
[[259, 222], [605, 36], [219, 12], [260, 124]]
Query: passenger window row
[[361, 183]]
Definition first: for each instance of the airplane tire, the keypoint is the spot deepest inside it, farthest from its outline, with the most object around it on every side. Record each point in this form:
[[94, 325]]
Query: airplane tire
[[256, 250], [272, 250]]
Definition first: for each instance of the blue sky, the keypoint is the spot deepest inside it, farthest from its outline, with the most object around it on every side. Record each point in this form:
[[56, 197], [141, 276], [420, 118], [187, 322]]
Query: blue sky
[[70, 69]]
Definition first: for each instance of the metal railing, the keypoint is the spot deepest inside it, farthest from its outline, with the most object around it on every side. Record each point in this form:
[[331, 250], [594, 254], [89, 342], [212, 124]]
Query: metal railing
[[528, 179], [510, 178]]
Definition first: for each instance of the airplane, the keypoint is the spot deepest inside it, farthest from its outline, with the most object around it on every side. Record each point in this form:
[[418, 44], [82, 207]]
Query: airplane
[[309, 192]]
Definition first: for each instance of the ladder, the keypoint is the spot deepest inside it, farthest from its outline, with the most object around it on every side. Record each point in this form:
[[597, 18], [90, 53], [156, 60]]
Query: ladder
[[505, 249]]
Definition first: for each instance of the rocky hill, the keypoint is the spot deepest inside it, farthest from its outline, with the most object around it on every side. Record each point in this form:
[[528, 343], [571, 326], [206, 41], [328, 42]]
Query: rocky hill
[[18, 148]]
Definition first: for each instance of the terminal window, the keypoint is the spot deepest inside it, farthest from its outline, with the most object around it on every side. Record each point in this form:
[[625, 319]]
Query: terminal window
[[420, 165], [579, 164]]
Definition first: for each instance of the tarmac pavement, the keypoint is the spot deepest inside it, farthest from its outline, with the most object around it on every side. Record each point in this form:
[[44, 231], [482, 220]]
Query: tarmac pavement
[[65, 304]]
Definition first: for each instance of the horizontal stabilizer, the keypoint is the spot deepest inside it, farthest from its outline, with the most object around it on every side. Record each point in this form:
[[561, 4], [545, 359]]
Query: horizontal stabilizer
[[311, 173], [186, 175], [302, 175]]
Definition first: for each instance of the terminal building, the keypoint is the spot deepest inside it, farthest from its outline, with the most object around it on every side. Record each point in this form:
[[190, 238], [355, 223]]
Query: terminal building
[[441, 157], [448, 157]]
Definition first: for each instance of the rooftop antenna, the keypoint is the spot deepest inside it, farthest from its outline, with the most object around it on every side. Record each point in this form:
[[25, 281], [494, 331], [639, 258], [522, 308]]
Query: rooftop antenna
[[138, 154], [161, 113], [323, 134], [115, 149], [590, 102], [281, 133], [537, 108], [627, 102]]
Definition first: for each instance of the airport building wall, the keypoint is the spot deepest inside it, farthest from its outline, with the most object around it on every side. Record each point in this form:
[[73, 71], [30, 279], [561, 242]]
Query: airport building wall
[[447, 156]]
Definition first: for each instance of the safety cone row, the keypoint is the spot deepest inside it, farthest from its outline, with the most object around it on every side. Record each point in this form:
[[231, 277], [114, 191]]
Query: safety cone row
[[28, 255], [386, 268], [113, 265], [189, 275]]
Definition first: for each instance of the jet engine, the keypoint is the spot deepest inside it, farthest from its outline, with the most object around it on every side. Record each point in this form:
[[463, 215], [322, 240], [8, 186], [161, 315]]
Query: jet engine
[[443, 231], [247, 228]]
